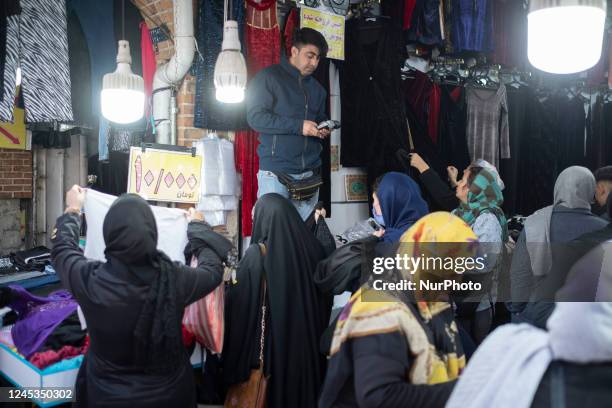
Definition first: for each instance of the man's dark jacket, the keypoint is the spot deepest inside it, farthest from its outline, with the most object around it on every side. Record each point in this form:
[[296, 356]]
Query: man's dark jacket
[[279, 99]]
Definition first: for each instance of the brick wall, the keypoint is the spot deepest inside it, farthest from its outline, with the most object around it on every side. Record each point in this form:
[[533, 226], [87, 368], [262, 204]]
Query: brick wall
[[161, 11], [157, 12], [15, 174]]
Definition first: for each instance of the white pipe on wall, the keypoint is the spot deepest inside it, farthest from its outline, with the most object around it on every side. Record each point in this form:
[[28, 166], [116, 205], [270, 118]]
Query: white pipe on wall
[[172, 72]]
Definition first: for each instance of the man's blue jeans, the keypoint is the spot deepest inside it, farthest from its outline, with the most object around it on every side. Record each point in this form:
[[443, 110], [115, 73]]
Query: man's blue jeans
[[267, 182]]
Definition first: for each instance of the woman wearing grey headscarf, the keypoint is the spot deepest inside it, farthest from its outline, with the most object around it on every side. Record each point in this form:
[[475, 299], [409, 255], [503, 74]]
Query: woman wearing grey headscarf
[[521, 366], [534, 278]]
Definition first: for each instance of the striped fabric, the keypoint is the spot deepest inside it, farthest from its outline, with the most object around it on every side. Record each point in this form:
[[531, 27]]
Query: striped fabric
[[44, 61], [37, 41], [10, 67], [204, 318]]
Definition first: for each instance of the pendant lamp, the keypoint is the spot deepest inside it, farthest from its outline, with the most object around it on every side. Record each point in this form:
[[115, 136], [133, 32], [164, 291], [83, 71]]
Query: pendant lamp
[[122, 97], [565, 36], [230, 69]]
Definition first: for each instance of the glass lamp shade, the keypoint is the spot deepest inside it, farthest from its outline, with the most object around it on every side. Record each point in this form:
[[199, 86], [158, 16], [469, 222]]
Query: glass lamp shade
[[122, 98], [565, 38]]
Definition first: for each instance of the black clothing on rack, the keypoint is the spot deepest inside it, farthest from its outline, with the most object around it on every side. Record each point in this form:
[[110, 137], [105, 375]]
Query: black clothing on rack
[[538, 159], [322, 76], [373, 116], [452, 142], [510, 169]]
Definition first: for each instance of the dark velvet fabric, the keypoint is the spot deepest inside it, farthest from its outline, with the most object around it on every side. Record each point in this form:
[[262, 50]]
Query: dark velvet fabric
[[452, 142], [112, 174], [538, 155], [425, 25], [570, 132], [472, 25], [322, 75], [510, 34], [208, 112], [510, 169], [599, 135], [373, 118]]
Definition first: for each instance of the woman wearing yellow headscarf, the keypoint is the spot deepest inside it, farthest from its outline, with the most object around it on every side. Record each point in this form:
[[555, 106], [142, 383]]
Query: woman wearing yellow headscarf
[[388, 348]]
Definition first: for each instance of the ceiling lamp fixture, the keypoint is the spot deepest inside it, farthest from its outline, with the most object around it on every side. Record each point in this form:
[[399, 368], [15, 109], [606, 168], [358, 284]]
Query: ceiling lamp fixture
[[565, 36], [230, 69], [122, 98]]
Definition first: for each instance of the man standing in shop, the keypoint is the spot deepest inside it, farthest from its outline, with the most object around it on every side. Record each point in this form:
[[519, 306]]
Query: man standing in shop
[[285, 105], [603, 189]]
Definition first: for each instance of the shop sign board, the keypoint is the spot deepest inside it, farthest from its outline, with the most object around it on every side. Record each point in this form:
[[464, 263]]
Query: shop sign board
[[14, 135], [331, 25], [162, 175]]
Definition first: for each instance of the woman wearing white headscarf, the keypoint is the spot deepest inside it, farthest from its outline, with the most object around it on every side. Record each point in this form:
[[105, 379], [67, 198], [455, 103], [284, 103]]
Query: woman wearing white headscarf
[[521, 366], [533, 277]]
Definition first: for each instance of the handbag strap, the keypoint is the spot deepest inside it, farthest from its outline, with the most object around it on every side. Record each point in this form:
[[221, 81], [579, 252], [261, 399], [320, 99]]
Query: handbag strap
[[263, 325], [263, 250]]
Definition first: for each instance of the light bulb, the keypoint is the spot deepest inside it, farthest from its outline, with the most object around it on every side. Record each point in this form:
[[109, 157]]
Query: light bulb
[[230, 75], [122, 98], [567, 38]]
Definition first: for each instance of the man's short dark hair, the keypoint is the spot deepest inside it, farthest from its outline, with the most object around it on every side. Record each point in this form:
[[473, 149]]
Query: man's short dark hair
[[308, 36], [604, 174]]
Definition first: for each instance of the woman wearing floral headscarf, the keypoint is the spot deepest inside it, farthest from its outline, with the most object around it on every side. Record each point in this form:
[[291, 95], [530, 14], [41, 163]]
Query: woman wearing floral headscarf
[[388, 348], [480, 207]]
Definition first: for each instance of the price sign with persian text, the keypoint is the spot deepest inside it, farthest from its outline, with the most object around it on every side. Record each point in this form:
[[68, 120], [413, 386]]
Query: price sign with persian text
[[330, 25], [162, 175]]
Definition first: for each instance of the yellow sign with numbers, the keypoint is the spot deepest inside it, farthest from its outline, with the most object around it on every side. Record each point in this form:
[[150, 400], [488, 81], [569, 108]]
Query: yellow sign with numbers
[[163, 175]]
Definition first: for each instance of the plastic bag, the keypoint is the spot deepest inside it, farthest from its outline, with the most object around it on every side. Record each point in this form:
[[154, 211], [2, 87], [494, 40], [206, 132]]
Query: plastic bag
[[361, 229], [204, 318]]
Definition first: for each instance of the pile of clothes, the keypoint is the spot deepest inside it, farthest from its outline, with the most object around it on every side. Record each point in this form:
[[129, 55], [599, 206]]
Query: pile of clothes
[[47, 330]]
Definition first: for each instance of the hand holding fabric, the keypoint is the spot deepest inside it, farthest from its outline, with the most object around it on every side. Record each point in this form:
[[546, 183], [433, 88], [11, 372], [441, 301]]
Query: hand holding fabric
[[194, 215], [75, 197]]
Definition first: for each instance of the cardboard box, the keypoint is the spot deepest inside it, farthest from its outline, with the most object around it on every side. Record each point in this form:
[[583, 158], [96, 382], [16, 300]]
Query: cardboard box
[[23, 374]]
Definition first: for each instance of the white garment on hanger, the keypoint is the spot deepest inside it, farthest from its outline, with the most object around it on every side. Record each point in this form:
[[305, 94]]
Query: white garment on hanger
[[171, 227]]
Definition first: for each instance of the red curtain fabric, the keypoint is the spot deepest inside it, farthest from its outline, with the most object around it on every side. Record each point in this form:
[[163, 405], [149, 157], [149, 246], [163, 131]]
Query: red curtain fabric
[[262, 36], [408, 10], [290, 25], [434, 113], [148, 63]]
